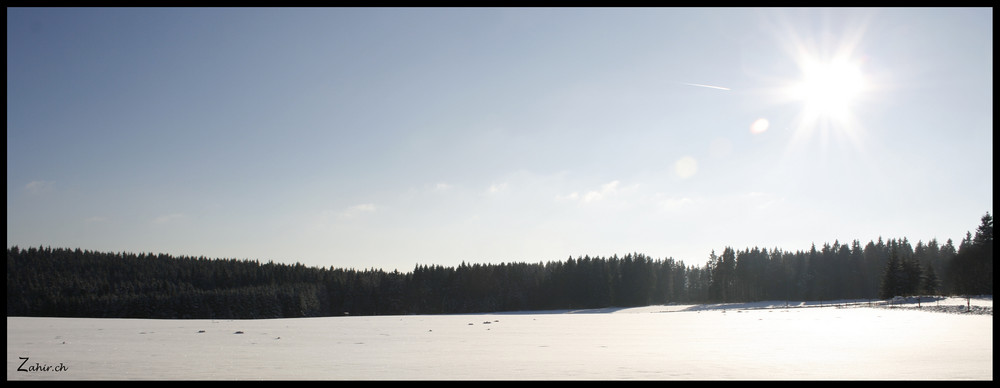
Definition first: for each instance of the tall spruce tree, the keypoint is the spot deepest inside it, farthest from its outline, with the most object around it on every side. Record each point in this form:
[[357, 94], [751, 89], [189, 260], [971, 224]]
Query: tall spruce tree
[[892, 277]]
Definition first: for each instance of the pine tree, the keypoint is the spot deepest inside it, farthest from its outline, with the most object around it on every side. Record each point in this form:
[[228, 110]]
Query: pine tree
[[891, 277], [930, 282]]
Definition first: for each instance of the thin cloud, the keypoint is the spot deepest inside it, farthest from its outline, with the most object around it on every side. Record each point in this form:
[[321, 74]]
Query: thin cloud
[[763, 200], [707, 86], [38, 187], [168, 218], [356, 210], [672, 204], [606, 190], [496, 188], [571, 197]]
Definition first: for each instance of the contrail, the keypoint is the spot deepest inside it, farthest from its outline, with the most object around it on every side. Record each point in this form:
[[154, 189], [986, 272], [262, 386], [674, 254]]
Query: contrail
[[708, 86]]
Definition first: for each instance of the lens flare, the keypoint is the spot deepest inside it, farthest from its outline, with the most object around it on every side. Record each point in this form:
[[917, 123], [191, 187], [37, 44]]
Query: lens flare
[[686, 167], [759, 126]]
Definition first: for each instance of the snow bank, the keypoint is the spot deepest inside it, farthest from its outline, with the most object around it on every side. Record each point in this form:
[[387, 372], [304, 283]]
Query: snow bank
[[717, 342]]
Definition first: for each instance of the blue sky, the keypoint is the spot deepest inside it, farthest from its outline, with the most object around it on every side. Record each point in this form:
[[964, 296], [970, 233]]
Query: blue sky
[[386, 138]]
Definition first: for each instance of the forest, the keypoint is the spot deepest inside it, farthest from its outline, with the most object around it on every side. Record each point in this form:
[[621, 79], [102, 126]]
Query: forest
[[62, 282]]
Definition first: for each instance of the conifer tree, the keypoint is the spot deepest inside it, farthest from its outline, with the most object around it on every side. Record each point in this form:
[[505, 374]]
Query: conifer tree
[[891, 277]]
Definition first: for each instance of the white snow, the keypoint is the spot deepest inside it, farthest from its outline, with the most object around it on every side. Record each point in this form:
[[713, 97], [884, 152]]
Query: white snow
[[765, 341]]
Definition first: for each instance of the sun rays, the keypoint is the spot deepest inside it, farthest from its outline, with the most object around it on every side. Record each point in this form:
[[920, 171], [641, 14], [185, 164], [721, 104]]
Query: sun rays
[[830, 86]]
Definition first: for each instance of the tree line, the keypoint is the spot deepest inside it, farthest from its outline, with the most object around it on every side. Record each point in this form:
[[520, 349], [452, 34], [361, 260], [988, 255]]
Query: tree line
[[64, 282]]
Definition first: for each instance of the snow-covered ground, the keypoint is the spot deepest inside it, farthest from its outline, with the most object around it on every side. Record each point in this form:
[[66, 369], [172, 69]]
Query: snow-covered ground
[[771, 341]]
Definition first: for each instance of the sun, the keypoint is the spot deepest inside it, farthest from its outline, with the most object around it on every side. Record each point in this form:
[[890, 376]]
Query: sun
[[828, 89], [831, 88]]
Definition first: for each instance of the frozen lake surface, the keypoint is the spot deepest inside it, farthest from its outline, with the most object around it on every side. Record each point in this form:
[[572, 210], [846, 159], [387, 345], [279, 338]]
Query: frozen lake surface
[[703, 342]]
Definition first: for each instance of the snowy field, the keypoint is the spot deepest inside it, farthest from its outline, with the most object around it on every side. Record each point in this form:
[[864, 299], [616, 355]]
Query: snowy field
[[769, 341]]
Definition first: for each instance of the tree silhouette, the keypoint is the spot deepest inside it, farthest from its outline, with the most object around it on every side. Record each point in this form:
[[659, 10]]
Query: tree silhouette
[[42, 281]]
